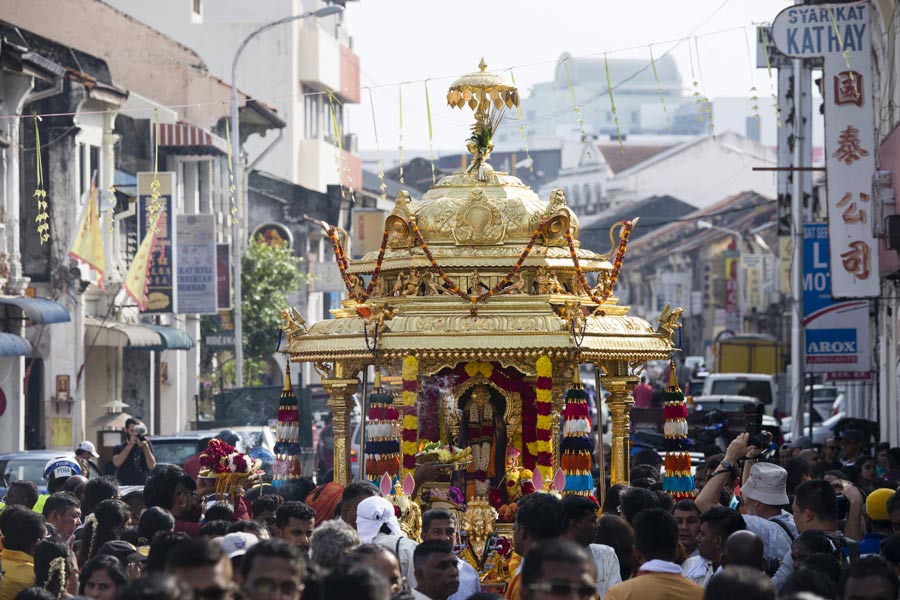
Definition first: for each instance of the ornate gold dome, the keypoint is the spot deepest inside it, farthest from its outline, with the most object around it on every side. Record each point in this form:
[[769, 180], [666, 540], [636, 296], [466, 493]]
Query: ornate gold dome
[[481, 268]]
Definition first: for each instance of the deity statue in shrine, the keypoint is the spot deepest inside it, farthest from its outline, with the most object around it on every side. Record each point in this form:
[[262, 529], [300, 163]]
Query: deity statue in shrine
[[484, 431]]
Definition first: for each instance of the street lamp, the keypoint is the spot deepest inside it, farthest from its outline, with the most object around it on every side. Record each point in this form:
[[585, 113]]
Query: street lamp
[[702, 224], [236, 241]]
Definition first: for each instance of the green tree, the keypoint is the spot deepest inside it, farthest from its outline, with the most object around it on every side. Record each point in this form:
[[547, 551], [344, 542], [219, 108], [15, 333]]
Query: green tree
[[268, 275]]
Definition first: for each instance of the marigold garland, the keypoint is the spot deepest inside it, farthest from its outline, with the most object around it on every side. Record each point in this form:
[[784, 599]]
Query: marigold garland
[[627, 228], [410, 444], [341, 257], [543, 447]]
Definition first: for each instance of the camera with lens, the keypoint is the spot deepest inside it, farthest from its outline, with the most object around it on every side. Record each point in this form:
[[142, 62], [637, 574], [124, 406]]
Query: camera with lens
[[753, 414], [140, 431]]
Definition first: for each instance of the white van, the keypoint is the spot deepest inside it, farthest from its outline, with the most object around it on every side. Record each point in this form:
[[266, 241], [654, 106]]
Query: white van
[[761, 387]]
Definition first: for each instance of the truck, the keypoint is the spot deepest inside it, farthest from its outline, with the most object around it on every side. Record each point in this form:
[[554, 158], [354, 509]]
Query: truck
[[750, 353], [756, 385]]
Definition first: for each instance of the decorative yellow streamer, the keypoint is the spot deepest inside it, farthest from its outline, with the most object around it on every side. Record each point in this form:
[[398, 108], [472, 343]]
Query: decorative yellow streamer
[[231, 187], [580, 120], [43, 215], [400, 147], [342, 171], [754, 91], [381, 184], [704, 106], [430, 133], [764, 41], [837, 33], [522, 126], [612, 104], [659, 89]]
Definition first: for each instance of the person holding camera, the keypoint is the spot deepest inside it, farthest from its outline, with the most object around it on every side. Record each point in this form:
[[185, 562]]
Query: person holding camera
[[134, 458]]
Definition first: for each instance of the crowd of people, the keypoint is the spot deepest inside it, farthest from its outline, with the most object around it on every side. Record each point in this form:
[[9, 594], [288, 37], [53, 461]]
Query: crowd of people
[[802, 526]]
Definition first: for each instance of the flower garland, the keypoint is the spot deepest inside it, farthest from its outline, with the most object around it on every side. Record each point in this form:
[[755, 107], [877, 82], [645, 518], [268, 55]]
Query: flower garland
[[544, 403], [410, 444], [576, 445], [340, 255], [678, 480], [382, 434], [627, 228], [454, 287], [227, 465]]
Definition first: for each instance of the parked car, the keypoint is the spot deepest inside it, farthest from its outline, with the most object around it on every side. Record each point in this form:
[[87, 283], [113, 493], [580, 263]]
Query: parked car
[[827, 400], [761, 387], [822, 431], [29, 466]]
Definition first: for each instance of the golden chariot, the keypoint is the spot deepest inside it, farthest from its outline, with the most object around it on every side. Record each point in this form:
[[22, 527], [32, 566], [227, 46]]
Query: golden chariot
[[481, 305]]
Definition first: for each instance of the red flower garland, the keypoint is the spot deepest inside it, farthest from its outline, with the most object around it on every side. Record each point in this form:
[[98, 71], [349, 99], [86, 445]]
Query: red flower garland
[[628, 226]]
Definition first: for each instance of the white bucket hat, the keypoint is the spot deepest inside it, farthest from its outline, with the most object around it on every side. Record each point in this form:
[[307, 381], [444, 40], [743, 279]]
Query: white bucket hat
[[371, 514], [767, 484]]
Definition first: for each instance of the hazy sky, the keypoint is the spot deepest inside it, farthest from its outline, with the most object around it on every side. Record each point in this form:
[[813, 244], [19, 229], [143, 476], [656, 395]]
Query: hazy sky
[[414, 40]]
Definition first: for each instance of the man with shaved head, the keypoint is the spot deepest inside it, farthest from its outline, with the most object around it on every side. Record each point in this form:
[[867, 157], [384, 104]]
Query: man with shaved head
[[744, 549]]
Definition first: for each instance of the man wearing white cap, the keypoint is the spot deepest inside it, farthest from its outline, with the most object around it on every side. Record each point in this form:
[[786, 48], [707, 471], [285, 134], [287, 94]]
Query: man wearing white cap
[[84, 453], [235, 545], [764, 493], [376, 523]]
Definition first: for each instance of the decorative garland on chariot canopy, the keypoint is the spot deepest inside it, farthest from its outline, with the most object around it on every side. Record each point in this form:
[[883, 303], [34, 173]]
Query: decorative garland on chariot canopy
[[410, 443], [627, 228], [544, 404], [454, 288]]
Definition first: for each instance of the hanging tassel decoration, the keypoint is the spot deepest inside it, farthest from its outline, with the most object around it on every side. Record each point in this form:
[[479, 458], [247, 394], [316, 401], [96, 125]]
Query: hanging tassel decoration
[[660, 91], [678, 481], [430, 134], [512, 76], [584, 137], [42, 218], [381, 184], [400, 146], [287, 431], [382, 434], [231, 185], [763, 39], [612, 105], [576, 446]]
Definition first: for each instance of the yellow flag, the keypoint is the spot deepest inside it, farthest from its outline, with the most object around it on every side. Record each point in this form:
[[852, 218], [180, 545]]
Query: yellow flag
[[136, 278], [88, 244]]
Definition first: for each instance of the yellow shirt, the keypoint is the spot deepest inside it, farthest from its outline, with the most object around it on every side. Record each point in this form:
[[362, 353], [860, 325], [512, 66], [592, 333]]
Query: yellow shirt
[[512, 590], [19, 569], [654, 585]]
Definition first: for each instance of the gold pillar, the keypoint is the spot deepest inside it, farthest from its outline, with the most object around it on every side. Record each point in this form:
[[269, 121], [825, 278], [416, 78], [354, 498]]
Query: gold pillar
[[561, 383], [340, 402], [620, 403]]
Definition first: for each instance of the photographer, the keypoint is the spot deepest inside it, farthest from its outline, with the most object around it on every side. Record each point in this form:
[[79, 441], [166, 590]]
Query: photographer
[[134, 459]]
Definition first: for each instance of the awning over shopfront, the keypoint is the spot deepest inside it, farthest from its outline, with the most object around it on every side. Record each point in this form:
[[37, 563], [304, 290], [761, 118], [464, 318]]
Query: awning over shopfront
[[38, 310], [14, 345], [184, 138], [115, 334], [173, 339]]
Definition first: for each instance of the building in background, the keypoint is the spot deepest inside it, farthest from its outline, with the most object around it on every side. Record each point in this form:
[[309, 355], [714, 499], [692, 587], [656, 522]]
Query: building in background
[[305, 69]]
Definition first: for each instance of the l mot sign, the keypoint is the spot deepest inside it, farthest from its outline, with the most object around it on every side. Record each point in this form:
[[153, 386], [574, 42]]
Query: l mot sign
[[841, 36]]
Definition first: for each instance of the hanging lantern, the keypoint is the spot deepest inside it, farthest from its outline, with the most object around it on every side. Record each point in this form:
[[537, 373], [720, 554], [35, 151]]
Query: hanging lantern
[[576, 445], [382, 434], [287, 445], [678, 481]]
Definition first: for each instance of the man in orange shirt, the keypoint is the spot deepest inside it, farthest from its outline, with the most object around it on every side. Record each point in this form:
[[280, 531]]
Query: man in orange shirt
[[540, 518], [656, 541]]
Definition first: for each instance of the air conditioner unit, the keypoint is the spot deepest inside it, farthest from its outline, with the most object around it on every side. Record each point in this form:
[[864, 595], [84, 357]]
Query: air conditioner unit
[[350, 142]]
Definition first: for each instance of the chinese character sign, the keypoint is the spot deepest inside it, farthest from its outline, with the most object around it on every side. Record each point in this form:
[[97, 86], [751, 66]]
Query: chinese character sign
[[840, 34], [161, 292]]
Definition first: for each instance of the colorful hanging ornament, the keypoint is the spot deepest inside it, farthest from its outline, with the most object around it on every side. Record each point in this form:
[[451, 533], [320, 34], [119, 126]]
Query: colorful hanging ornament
[[287, 432], [576, 446], [678, 481], [382, 434]]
